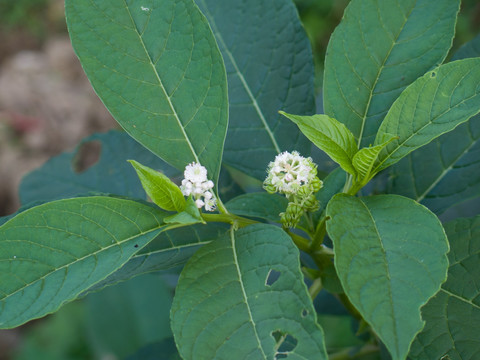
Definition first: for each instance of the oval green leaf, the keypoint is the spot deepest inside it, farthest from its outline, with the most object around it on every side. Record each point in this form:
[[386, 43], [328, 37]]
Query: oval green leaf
[[51, 253], [157, 68], [433, 105], [160, 188], [390, 256], [244, 294], [330, 136], [453, 316], [378, 49], [269, 66]]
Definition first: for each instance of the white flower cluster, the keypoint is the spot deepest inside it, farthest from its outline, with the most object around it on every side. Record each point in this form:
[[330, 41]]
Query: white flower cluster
[[197, 185], [289, 172]]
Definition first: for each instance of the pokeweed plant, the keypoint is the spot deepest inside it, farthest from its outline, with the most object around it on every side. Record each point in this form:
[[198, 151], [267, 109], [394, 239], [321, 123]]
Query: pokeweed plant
[[254, 265]]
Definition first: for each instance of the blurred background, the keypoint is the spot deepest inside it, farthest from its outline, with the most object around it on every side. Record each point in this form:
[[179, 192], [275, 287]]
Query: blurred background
[[46, 107]]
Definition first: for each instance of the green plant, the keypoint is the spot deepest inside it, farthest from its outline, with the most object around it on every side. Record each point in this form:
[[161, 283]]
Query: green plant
[[164, 70]]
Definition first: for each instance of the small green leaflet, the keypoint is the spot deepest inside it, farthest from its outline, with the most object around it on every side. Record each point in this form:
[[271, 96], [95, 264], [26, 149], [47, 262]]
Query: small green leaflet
[[190, 215], [329, 135], [160, 188]]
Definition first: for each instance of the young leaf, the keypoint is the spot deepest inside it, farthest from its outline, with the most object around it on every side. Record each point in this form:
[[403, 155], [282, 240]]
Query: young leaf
[[157, 68], [365, 159], [51, 253], [329, 135], [379, 48], [433, 105], [244, 294], [160, 188], [269, 67], [189, 215], [111, 174], [453, 315], [390, 256]]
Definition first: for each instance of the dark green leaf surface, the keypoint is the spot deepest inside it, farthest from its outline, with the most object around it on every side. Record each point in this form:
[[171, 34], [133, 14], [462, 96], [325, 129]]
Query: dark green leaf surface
[[390, 255], [380, 47], [111, 174], [170, 249], [51, 253], [332, 184], [166, 349], [444, 172], [270, 68], [160, 188], [226, 303], [453, 316], [157, 68], [259, 205], [125, 317], [433, 105], [329, 135]]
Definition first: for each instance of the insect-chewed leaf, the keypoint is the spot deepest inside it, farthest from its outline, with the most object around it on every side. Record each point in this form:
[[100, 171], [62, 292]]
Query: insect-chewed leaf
[[157, 68], [390, 256], [244, 294]]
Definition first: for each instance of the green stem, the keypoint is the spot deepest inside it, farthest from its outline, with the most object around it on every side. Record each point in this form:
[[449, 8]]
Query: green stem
[[302, 243], [235, 220], [349, 306], [315, 288], [319, 235], [345, 354]]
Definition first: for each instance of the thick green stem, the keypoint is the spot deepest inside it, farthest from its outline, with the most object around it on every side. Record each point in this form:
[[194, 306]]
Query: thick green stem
[[319, 235]]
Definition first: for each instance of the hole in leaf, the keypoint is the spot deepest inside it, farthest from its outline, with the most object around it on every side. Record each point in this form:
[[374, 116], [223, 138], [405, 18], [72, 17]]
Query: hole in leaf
[[304, 313], [285, 344], [433, 74], [272, 277], [86, 156]]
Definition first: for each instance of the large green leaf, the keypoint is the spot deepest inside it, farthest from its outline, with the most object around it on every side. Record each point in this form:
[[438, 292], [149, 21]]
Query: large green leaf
[[390, 256], [244, 295], [453, 316], [157, 68], [433, 105], [269, 67], [329, 135], [111, 173], [49, 254], [444, 172], [379, 48]]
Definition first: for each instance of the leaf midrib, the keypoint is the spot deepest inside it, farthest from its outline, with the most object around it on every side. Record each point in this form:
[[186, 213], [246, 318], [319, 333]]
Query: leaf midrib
[[172, 107], [381, 67], [220, 39], [244, 293], [119, 243]]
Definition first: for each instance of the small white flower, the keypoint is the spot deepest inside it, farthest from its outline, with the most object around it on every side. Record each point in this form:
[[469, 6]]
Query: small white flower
[[197, 185], [196, 173], [289, 172]]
